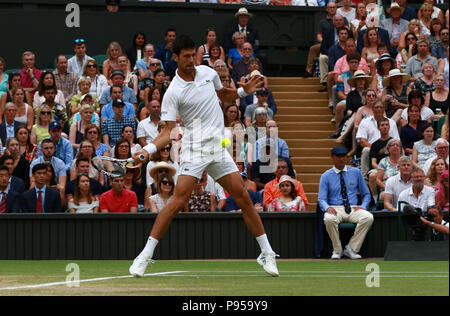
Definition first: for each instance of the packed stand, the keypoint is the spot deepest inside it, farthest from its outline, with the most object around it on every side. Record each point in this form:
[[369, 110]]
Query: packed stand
[[55, 122]]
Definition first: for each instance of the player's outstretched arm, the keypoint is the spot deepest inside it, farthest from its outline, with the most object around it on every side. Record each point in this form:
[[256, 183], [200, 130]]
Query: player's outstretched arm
[[160, 141], [254, 84]]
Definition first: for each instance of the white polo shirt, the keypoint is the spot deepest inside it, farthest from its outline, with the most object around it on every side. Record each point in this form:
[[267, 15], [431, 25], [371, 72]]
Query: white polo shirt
[[426, 197], [368, 129], [199, 108], [146, 128], [395, 185]]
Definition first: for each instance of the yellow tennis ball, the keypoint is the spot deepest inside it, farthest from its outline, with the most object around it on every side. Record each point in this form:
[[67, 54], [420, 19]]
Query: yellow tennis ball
[[226, 142]]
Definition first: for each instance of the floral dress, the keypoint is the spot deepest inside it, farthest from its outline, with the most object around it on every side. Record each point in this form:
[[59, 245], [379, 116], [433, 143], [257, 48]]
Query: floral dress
[[390, 169], [295, 205], [200, 202]]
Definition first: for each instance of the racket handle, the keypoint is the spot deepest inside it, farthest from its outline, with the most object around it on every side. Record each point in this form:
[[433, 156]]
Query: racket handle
[[141, 157]]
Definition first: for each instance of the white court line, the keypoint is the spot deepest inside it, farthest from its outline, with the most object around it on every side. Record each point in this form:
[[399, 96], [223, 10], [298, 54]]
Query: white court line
[[34, 286]]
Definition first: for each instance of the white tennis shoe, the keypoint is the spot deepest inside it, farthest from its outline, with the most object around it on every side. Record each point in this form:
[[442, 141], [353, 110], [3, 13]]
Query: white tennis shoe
[[350, 253], [336, 256], [139, 266], [268, 262]]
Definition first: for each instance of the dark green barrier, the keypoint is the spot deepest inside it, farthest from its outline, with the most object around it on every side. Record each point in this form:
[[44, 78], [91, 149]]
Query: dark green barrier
[[191, 236]]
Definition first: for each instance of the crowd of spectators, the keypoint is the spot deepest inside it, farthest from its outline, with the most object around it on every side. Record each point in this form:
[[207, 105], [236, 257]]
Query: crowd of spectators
[[386, 72], [54, 122]]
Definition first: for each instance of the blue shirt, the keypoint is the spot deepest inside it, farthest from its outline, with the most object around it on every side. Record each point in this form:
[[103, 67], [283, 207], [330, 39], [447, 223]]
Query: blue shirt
[[63, 151], [231, 204], [108, 112], [43, 189], [128, 95], [113, 128], [330, 188], [281, 147], [57, 164], [9, 131]]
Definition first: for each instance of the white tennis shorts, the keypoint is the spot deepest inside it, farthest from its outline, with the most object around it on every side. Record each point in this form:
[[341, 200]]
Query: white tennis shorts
[[216, 167]]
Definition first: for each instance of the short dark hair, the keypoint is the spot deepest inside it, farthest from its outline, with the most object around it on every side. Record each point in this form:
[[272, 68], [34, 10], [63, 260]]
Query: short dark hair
[[170, 29], [79, 160], [40, 166], [3, 167], [4, 158], [115, 86], [383, 119], [46, 88], [353, 56], [182, 42], [47, 140]]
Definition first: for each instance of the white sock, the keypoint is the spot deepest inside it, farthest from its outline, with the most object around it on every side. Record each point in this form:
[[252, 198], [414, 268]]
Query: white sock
[[264, 244], [150, 247]]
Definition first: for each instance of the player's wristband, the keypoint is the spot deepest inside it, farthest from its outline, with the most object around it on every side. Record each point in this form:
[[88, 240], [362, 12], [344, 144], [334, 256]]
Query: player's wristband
[[151, 149], [241, 92]]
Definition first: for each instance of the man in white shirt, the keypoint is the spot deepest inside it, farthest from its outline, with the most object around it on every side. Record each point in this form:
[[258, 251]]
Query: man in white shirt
[[194, 93], [397, 184], [418, 195], [147, 129], [368, 133], [76, 63]]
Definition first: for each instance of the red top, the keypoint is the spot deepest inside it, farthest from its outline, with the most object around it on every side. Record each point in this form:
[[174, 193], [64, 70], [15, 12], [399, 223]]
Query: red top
[[27, 82], [118, 203]]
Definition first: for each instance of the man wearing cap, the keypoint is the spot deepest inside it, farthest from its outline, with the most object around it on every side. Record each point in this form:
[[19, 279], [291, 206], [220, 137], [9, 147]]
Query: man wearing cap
[[415, 63], [63, 147], [395, 25], [262, 97], [338, 199], [242, 16], [117, 78], [117, 96], [112, 127], [76, 63]]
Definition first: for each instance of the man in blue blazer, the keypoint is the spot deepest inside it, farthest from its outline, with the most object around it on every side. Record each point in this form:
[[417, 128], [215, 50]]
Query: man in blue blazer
[[9, 126], [9, 198], [40, 199]]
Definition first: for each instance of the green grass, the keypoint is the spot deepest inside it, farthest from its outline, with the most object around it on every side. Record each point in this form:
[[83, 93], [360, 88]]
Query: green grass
[[229, 278]]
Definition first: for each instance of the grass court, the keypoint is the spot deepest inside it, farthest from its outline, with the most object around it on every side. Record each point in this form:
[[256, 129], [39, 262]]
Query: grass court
[[225, 278]]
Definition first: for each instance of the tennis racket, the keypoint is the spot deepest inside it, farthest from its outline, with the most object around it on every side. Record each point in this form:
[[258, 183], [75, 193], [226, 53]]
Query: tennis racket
[[113, 167]]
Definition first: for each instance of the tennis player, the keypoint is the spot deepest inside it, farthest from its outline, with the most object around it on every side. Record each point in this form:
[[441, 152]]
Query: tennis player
[[194, 93]]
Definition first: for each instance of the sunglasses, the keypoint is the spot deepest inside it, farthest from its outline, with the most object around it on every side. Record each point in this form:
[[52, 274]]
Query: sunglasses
[[371, 95], [166, 182], [92, 66], [165, 149], [92, 132], [155, 64], [46, 113], [79, 40]]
